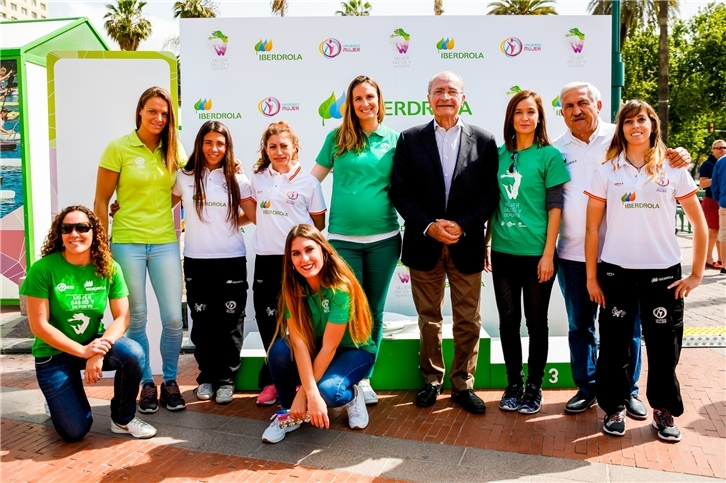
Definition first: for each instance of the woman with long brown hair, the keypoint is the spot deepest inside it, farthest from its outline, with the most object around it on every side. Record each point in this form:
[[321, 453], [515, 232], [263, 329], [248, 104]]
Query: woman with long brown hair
[[68, 290], [323, 339], [215, 263], [636, 190], [141, 167], [523, 234], [364, 225]]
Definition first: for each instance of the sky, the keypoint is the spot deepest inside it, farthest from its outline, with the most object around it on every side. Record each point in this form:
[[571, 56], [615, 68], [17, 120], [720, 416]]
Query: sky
[[165, 25]]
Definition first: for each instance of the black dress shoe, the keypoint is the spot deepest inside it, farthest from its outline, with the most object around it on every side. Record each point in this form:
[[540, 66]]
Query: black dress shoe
[[635, 408], [580, 403], [469, 401], [427, 396]]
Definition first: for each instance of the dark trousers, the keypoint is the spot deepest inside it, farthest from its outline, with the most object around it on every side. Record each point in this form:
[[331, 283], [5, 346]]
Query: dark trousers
[[266, 289], [59, 378], [216, 297], [661, 314], [515, 277]]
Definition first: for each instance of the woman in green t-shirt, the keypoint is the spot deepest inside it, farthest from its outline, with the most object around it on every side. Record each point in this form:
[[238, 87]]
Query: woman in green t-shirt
[[323, 340], [364, 226], [67, 291], [141, 167], [523, 236]]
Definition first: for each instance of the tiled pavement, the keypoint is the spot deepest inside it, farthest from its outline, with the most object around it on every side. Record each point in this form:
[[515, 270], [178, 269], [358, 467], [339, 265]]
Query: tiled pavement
[[443, 443]]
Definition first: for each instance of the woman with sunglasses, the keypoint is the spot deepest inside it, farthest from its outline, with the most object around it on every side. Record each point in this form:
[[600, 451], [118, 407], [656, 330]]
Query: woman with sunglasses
[[141, 167], [523, 236], [364, 225], [215, 263], [285, 196], [67, 292], [636, 191], [323, 342]]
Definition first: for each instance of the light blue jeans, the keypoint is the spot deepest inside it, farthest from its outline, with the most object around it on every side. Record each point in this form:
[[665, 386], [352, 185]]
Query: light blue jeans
[[164, 265]]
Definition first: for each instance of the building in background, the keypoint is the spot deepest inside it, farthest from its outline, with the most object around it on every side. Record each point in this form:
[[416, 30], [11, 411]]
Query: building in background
[[23, 9]]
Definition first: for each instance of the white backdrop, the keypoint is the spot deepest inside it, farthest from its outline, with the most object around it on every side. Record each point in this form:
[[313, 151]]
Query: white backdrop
[[248, 72]]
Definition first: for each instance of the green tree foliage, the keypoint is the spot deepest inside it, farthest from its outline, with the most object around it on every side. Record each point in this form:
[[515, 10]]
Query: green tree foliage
[[126, 24], [522, 7], [354, 8], [195, 9], [697, 49], [633, 13]]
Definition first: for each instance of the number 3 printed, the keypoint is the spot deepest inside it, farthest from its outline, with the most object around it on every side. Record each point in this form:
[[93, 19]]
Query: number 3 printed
[[553, 372]]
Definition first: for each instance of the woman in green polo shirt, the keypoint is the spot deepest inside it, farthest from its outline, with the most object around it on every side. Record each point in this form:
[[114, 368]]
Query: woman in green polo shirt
[[141, 167], [364, 225], [523, 234], [323, 342]]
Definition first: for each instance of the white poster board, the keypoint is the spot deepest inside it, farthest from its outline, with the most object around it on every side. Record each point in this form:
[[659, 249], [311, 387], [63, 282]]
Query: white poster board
[[92, 100], [248, 72]]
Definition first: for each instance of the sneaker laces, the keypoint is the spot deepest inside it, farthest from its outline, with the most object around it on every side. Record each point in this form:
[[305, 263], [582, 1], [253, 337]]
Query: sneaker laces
[[353, 407], [617, 417], [148, 392], [138, 422], [665, 417], [512, 391], [172, 389]]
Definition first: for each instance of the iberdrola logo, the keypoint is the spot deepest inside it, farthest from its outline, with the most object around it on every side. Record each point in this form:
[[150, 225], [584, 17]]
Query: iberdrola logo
[[218, 42], [203, 105], [400, 40], [264, 204], [576, 39], [263, 46], [514, 90], [628, 197], [332, 108], [445, 44]]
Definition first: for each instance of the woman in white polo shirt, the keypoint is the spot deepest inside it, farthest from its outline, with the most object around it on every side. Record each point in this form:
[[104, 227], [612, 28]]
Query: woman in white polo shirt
[[215, 263], [641, 266], [364, 225], [285, 196]]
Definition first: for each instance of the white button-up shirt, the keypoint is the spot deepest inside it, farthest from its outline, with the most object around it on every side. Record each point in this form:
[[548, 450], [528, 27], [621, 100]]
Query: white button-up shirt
[[448, 144]]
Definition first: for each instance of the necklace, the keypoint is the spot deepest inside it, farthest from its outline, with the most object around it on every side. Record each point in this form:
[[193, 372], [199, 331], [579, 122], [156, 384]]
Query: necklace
[[634, 166]]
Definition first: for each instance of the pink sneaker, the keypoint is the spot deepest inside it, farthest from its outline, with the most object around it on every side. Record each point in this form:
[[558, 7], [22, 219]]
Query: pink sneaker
[[268, 396]]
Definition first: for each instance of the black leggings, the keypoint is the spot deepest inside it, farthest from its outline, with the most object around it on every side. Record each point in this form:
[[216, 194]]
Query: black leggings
[[516, 276]]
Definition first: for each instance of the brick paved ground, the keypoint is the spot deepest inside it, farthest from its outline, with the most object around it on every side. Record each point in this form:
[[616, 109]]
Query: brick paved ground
[[33, 452]]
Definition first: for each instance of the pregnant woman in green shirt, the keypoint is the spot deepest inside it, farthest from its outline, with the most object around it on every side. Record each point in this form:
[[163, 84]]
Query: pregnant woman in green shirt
[[364, 225]]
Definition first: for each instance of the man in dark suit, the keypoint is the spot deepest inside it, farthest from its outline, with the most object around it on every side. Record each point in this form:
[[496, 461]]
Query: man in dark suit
[[444, 185]]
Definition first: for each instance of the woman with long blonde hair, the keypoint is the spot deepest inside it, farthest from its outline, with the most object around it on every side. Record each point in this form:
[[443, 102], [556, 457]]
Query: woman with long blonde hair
[[637, 191], [364, 226], [323, 339]]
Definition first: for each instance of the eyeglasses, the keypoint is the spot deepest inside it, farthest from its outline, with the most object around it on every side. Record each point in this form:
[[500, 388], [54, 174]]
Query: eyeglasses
[[720, 147], [67, 228], [513, 166]]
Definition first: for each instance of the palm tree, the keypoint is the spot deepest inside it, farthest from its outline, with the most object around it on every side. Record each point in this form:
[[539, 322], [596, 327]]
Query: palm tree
[[438, 7], [663, 90], [632, 13], [522, 7], [195, 9], [279, 7], [126, 24], [354, 8]]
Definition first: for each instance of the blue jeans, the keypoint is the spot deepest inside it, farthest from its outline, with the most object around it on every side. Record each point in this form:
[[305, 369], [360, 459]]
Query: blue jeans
[[581, 314], [373, 265], [347, 368], [59, 378], [164, 265]]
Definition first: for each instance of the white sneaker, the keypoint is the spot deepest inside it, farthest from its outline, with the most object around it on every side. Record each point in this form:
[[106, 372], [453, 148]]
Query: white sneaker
[[136, 428], [224, 394], [205, 391], [369, 394], [357, 412], [275, 432]]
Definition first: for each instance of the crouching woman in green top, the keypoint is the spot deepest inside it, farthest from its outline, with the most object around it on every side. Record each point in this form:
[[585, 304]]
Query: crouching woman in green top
[[67, 293], [324, 339]]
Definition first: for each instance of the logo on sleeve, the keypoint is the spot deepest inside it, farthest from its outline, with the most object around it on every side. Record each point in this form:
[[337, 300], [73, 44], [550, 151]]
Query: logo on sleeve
[[231, 305], [326, 306], [79, 322]]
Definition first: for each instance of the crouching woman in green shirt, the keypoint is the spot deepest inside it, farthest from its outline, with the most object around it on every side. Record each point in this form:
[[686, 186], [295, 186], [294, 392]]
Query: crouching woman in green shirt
[[364, 225], [67, 293], [324, 339]]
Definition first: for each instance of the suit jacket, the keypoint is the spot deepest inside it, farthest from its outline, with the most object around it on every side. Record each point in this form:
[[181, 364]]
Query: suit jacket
[[418, 193]]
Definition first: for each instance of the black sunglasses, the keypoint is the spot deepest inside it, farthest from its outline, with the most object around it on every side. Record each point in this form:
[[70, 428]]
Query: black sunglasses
[[513, 166], [67, 228]]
